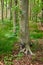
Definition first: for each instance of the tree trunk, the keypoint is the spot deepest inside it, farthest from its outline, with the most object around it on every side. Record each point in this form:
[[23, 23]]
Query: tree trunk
[[25, 25], [16, 17], [2, 6], [11, 9], [6, 8]]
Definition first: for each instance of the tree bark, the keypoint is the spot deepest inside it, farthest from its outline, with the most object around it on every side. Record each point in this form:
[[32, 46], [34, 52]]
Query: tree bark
[[6, 8], [25, 25], [16, 18], [2, 6], [11, 9]]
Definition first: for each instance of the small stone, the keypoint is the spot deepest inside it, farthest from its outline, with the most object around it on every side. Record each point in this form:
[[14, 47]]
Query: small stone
[[1, 63], [31, 64]]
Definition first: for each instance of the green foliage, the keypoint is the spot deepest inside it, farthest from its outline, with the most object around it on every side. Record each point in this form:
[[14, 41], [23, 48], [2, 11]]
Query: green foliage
[[33, 25], [7, 36], [36, 10], [19, 56], [41, 59], [36, 46], [35, 35], [8, 60]]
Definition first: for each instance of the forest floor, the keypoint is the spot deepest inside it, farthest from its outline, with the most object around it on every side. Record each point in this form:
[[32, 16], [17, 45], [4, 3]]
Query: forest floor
[[27, 60], [24, 60]]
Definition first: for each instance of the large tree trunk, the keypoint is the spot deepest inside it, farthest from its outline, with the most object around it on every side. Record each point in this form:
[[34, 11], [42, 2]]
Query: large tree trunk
[[25, 25]]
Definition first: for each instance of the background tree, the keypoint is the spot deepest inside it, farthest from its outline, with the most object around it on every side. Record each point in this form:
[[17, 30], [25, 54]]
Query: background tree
[[42, 13], [2, 6]]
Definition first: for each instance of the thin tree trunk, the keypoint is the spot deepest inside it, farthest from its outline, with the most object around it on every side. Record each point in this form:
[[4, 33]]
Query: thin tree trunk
[[6, 8], [16, 18], [10, 9], [2, 6], [30, 8], [42, 15], [13, 16], [16, 15]]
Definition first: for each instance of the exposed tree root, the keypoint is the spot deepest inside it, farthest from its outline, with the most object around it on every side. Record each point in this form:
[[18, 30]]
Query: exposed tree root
[[26, 49]]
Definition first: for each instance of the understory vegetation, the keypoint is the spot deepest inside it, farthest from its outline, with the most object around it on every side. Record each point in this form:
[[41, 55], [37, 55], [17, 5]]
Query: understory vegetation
[[20, 20]]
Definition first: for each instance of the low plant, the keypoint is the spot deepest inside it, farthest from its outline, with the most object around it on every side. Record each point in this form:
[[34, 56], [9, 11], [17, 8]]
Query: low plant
[[8, 60]]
